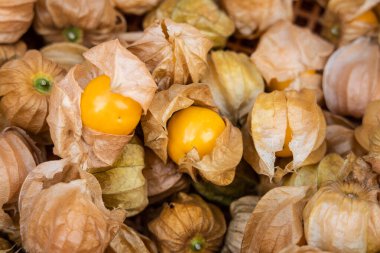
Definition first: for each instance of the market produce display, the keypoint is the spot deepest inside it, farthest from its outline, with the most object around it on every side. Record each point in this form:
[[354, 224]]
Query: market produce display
[[158, 126]]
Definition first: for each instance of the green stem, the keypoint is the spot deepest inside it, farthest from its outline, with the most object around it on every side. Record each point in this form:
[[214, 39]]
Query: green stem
[[42, 85], [197, 244], [73, 34]]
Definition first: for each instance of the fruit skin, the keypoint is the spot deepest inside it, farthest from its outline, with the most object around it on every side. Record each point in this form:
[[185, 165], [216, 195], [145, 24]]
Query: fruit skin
[[193, 127], [282, 85], [108, 112], [286, 152]]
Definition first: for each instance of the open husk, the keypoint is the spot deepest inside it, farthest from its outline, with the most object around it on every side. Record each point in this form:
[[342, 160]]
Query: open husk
[[202, 14], [59, 21], [189, 224], [287, 52], [25, 88], [174, 53], [252, 17], [129, 77], [15, 19], [217, 167], [271, 114], [61, 210], [352, 64], [137, 7], [276, 221], [234, 82], [10, 52]]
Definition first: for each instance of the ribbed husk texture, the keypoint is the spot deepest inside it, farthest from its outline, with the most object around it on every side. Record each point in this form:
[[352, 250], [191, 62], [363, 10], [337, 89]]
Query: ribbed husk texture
[[137, 7], [11, 51]]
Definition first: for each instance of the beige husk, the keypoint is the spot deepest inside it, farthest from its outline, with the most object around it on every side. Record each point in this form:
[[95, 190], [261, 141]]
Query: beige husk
[[202, 14], [352, 64], [21, 102], [97, 22], [234, 82], [61, 210], [276, 222], [137, 7], [240, 210], [302, 249], [15, 18], [286, 51], [129, 77], [217, 167], [64, 53], [254, 16], [270, 115], [186, 219], [10, 52], [371, 121], [174, 53]]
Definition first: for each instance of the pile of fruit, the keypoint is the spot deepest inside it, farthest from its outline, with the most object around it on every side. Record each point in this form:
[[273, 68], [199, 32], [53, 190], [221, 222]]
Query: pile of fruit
[[135, 126]]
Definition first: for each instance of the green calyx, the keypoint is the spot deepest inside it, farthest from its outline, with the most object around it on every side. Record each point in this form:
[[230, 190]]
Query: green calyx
[[197, 244], [42, 84], [335, 30], [73, 34]]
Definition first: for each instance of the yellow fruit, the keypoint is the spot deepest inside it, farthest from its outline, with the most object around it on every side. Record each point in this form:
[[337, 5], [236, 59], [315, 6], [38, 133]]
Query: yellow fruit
[[108, 112], [368, 17], [286, 152]]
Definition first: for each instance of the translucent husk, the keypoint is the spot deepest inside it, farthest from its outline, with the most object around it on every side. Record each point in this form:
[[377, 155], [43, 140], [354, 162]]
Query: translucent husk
[[270, 115], [174, 53], [61, 210], [188, 224], [252, 17], [24, 103], [357, 62], [59, 21], [302, 249], [370, 122], [240, 210], [15, 18], [123, 185], [276, 221], [10, 52], [137, 7], [129, 77], [202, 14], [234, 82], [64, 53], [219, 166], [286, 52]]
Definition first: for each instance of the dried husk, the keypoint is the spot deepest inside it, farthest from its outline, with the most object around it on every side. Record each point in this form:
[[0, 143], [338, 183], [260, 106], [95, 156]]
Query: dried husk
[[370, 123], [373, 156], [189, 224], [129, 77], [302, 249], [15, 18], [270, 115], [137, 7], [23, 105], [12, 51], [327, 213], [174, 53], [64, 53], [59, 21], [61, 210], [286, 52], [240, 210], [276, 221], [5, 246], [163, 179], [352, 64], [234, 82], [202, 14], [219, 166], [124, 186], [255, 16]]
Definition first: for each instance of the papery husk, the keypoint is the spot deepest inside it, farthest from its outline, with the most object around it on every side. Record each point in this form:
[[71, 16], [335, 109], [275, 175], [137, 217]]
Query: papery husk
[[370, 122], [304, 176], [10, 52], [334, 119], [352, 64], [124, 186], [174, 53], [286, 52], [98, 22], [202, 14], [136, 7], [129, 77], [234, 82], [15, 18], [21, 103], [373, 156], [327, 214], [185, 219], [240, 210], [302, 249], [219, 166], [356, 169], [276, 222], [252, 17], [269, 119], [61, 210], [66, 54], [5, 246], [163, 179]]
